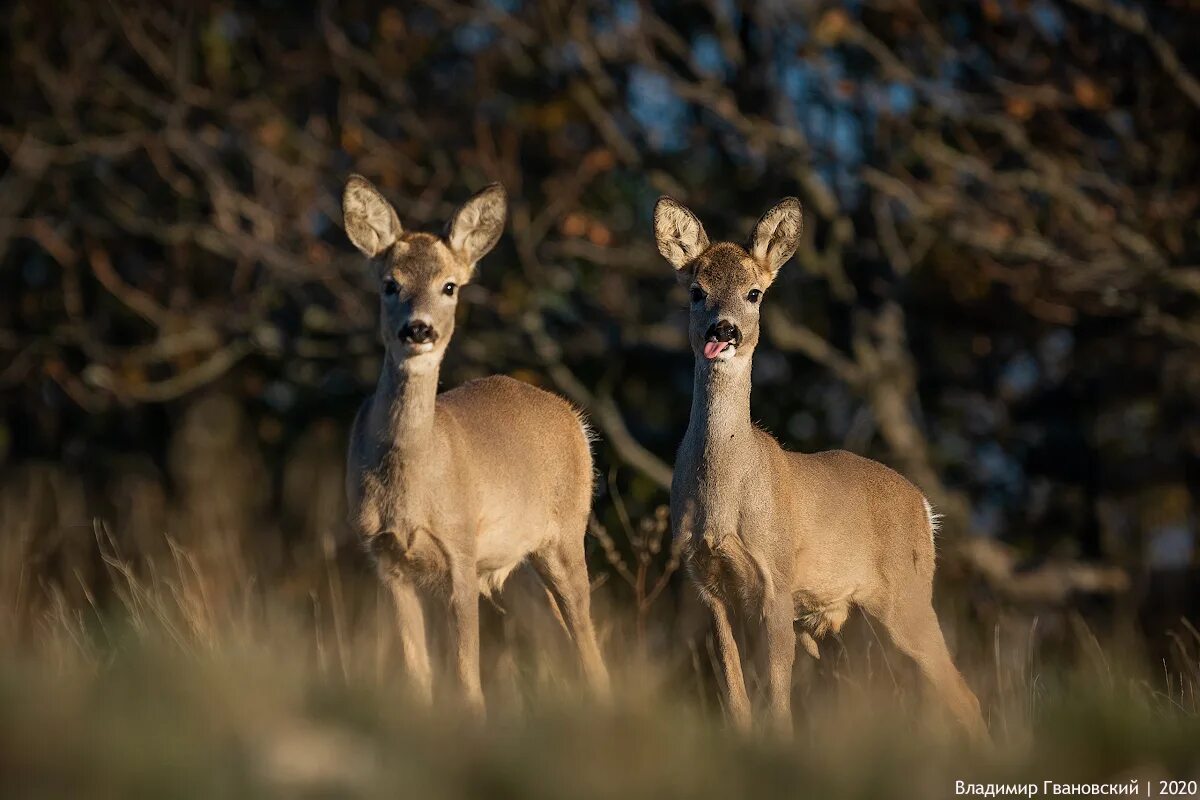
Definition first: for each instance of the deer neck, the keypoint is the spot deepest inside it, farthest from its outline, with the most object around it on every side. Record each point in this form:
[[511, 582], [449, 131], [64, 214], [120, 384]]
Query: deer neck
[[720, 422], [405, 399]]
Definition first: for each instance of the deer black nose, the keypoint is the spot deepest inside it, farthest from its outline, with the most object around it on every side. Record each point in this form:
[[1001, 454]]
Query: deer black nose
[[724, 331], [418, 332]]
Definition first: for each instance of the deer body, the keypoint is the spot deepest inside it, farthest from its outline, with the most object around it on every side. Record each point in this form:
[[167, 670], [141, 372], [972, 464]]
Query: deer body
[[472, 482], [451, 492], [736, 481], [773, 536]]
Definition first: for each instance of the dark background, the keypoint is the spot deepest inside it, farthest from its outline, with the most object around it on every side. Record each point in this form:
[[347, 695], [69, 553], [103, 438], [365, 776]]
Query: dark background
[[996, 293]]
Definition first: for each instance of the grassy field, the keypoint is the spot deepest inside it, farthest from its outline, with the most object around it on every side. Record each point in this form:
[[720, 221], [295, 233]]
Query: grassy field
[[191, 678]]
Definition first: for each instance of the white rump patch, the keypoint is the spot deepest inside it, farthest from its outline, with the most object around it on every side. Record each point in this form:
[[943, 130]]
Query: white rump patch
[[591, 436], [589, 433], [935, 521]]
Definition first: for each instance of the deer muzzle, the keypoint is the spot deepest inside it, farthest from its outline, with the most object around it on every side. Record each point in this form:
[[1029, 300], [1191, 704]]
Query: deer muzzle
[[721, 341]]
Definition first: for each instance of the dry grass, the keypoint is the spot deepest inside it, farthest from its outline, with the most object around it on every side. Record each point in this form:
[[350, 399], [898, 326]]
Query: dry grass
[[203, 672]]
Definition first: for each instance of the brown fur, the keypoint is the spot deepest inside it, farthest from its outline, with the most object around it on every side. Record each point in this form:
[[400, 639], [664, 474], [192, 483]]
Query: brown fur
[[776, 536], [451, 492]]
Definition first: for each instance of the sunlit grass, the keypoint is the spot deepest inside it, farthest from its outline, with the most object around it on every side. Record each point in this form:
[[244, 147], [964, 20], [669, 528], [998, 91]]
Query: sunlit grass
[[196, 679]]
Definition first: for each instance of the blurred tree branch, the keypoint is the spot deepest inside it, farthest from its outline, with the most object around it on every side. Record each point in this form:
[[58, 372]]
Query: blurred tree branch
[[1134, 20], [975, 179]]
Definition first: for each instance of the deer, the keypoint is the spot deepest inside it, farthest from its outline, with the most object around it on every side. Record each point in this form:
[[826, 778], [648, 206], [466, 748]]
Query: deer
[[773, 537], [451, 492]]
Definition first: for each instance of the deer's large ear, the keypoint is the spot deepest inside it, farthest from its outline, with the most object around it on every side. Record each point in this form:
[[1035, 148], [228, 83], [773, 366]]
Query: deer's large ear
[[476, 227], [371, 222], [679, 235], [777, 234]]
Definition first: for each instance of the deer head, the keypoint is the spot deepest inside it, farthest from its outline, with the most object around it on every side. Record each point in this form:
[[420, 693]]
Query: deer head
[[420, 274], [726, 281]]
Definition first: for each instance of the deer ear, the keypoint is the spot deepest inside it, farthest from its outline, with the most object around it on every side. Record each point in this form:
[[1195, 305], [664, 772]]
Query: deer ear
[[777, 234], [371, 222], [680, 236], [476, 227]]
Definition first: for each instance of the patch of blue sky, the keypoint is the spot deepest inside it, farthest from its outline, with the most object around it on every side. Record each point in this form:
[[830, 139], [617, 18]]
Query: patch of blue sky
[[661, 113], [833, 68], [796, 81], [791, 36], [901, 99], [627, 14], [709, 58], [602, 23], [998, 469], [987, 519], [979, 59], [827, 171], [846, 136], [569, 55], [1171, 546], [938, 94], [316, 222], [1048, 20], [731, 141], [474, 36], [815, 119], [949, 71], [1057, 345], [790, 71], [1020, 375], [849, 187]]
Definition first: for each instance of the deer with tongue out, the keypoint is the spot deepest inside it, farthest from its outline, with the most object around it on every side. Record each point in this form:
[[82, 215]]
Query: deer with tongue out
[[777, 537]]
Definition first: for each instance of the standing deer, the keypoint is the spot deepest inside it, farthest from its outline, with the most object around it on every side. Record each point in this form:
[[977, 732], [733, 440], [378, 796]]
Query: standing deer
[[451, 492], [778, 536]]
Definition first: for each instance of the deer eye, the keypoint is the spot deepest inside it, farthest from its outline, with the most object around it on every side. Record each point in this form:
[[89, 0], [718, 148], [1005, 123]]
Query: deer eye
[[698, 295], [390, 287], [754, 295], [449, 288]]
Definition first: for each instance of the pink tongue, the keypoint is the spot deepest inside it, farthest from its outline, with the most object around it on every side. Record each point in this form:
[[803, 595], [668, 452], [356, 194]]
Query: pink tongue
[[713, 349]]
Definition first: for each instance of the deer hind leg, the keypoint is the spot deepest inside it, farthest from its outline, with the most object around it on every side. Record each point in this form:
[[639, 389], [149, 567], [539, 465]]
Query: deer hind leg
[[914, 629], [561, 566]]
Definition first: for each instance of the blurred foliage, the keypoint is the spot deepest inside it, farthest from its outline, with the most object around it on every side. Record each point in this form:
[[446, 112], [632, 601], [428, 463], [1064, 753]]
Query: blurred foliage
[[264, 706], [201, 680], [997, 292]]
